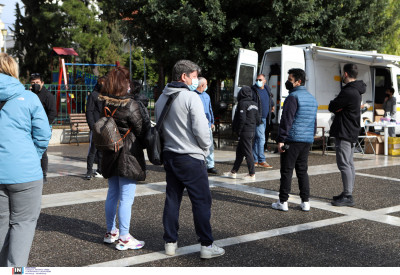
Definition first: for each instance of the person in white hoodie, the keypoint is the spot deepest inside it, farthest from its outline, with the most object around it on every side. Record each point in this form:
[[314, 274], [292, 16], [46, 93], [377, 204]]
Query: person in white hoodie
[[186, 144]]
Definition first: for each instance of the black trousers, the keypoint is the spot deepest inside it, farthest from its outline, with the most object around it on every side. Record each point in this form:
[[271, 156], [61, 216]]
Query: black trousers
[[184, 171], [92, 154], [245, 150], [44, 162], [296, 157]]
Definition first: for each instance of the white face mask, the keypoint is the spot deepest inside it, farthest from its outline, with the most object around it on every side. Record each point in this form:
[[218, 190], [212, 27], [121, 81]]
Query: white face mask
[[259, 84], [195, 84]]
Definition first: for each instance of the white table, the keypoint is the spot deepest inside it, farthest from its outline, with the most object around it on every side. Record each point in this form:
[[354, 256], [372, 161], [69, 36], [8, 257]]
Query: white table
[[385, 131]]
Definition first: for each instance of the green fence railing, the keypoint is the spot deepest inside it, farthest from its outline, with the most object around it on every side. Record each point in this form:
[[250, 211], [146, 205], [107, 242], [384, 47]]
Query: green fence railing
[[77, 95]]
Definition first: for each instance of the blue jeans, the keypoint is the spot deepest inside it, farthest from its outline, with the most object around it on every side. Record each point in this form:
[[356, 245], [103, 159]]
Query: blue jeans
[[210, 157], [123, 190], [259, 141]]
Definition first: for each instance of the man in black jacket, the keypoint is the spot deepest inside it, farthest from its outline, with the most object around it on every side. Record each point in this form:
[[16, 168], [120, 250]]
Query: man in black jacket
[[345, 128], [94, 107], [49, 104]]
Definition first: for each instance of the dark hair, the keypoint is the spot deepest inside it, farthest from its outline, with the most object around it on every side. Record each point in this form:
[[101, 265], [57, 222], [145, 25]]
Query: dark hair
[[184, 67], [117, 82], [391, 90], [351, 70], [36, 76], [298, 74]]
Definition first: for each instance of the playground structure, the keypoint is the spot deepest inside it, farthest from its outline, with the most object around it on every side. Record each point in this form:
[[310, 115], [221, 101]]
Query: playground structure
[[73, 83]]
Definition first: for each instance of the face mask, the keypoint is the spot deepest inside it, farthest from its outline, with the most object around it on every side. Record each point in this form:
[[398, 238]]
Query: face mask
[[35, 88], [195, 84], [206, 88], [259, 84], [343, 79], [387, 95], [289, 85], [129, 91]]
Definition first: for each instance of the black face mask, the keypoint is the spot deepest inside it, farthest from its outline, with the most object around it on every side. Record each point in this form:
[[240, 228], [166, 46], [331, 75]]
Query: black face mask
[[289, 85], [35, 88], [387, 95]]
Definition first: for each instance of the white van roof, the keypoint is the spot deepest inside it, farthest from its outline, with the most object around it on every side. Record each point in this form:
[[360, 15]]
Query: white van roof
[[371, 58]]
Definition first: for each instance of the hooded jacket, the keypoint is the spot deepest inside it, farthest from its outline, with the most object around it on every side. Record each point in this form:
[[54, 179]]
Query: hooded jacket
[[185, 128], [247, 114], [346, 107], [94, 107], [25, 133], [129, 161]]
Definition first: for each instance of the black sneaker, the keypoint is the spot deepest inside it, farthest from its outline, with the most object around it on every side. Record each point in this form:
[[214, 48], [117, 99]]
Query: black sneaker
[[212, 171], [89, 175], [343, 201], [44, 179], [338, 197]]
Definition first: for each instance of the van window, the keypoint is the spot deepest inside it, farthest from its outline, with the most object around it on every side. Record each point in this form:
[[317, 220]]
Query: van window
[[246, 75]]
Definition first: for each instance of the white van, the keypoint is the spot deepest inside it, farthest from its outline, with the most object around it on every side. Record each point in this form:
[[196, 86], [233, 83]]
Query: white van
[[323, 67]]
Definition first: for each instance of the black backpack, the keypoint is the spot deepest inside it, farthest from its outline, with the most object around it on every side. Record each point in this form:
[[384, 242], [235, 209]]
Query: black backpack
[[106, 135], [154, 142]]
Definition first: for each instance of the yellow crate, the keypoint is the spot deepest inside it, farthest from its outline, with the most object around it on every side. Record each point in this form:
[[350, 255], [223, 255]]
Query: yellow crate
[[394, 146], [394, 140], [394, 152]]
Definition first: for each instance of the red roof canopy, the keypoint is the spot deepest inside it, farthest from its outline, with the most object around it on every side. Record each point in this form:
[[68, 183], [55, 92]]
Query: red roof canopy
[[64, 51]]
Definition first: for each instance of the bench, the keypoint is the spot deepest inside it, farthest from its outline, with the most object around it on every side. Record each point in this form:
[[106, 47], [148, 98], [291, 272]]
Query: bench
[[78, 125]]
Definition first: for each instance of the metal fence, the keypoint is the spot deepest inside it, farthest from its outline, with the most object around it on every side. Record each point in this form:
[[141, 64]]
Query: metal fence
[[73, 98]]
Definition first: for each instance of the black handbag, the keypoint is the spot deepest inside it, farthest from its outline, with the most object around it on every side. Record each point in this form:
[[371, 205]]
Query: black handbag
[[154, 141]]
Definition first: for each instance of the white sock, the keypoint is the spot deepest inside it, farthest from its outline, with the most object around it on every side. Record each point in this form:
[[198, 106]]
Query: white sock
[[125, 237]]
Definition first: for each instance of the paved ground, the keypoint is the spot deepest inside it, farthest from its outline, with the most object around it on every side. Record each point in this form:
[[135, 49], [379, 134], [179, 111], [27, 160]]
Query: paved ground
[[71, 225]]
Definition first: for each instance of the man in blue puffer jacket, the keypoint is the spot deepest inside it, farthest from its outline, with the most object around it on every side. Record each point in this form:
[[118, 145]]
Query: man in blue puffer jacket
[[296, 134], [25, 134]]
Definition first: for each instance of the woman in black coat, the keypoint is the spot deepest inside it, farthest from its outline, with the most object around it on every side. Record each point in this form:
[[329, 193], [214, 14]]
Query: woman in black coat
[[127, 166]]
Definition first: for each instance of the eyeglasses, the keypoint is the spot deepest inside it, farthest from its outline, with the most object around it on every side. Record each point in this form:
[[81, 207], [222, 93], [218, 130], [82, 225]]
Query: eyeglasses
[[259, 79], [35, 75]]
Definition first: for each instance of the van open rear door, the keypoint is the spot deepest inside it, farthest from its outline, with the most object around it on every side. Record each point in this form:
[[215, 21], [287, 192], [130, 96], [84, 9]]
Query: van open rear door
[[246, 72], [291, 57], [246, 69]]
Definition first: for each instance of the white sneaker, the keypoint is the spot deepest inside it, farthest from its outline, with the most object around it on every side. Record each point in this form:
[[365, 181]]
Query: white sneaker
[[305, 206], [98, 175], [211, 252], [280, 206], [170, 248], [249, 177], [111, 237], [130, 243], [230, 175]]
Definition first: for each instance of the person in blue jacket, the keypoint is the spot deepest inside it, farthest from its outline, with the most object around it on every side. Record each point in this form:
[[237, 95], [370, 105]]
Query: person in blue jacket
[[205, 98], [296, 134], [25, 134]]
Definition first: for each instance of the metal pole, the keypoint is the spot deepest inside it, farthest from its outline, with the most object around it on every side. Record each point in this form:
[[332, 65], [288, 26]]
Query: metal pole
[[144, 64], [130, 59]]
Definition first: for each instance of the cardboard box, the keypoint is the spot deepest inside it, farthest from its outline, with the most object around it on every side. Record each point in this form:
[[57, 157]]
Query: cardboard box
[[394, 152], [377, 143], [393, 140], [379, 113]]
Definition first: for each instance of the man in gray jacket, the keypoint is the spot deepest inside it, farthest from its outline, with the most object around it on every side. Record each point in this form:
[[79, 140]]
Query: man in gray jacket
[[186, 144]]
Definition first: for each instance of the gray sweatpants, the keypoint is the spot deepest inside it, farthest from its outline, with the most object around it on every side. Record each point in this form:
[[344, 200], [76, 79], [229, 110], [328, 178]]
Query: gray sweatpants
[[345, 163], [19, 211]]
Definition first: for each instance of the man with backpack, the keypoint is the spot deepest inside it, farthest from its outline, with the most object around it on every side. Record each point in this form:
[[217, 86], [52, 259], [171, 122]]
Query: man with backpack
[[186, 144]]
